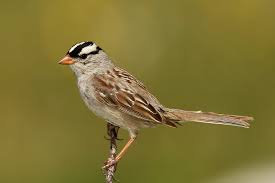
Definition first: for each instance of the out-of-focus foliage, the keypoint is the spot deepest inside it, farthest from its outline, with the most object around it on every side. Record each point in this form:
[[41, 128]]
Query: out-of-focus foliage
[[197, 55]]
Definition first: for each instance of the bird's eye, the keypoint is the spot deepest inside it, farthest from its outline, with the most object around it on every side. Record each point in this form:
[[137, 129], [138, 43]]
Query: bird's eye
[[83, 56]]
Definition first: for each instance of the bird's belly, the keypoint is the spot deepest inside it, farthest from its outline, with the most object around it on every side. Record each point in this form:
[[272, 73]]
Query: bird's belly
[[111, 114]]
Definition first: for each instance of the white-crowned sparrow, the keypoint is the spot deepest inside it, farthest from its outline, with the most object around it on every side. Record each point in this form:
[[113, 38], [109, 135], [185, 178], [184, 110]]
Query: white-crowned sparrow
[[118, 97]]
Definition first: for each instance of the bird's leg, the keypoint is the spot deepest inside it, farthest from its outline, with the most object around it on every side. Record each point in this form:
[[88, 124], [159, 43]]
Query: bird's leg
[[120, 155], [124, 149]]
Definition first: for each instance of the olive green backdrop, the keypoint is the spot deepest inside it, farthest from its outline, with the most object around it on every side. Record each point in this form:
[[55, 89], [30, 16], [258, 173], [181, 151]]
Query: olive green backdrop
[[197, 55]]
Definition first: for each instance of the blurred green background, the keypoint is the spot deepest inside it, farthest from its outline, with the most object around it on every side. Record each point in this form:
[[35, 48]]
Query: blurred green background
[[197, 55]]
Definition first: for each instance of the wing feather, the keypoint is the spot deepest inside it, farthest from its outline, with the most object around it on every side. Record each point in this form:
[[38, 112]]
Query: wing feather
[[120, 90]]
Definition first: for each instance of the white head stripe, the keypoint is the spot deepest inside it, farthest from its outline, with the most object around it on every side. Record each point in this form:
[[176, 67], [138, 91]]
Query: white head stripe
[[88, 49], [76, 45]]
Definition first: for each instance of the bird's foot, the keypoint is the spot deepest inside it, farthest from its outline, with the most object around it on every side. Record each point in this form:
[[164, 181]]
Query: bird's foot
[[109, 170], [110, 163]]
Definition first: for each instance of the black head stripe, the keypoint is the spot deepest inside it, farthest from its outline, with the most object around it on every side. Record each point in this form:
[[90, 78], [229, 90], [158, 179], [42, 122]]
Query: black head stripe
[[96, 51], [98, 48], [75, 52]]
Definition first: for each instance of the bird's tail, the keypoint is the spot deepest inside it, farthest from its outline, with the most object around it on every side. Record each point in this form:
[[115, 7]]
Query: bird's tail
[[178, 115]]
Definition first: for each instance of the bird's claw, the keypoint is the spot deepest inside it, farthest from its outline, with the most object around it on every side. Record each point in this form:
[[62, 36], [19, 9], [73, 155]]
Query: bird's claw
[[109, 163], [109, 169]]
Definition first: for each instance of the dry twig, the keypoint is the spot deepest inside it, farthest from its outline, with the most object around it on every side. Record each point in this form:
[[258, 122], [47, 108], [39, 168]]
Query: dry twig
[[110, 171]]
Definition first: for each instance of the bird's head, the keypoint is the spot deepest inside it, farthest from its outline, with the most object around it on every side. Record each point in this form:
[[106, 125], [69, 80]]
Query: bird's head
[[81, 53], [84, 57]]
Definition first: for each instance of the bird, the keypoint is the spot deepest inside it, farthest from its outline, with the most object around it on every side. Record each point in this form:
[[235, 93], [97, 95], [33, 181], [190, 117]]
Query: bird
[[123, 101]]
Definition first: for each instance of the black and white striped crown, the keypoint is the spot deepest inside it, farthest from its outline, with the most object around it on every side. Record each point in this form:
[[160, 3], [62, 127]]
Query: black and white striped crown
[[83, 49]]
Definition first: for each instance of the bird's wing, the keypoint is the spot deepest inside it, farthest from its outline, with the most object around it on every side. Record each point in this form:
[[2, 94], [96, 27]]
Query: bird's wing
[[118, 89]]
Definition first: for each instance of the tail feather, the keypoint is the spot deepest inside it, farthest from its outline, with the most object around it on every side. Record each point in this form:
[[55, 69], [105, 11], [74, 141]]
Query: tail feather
[[176, 115]]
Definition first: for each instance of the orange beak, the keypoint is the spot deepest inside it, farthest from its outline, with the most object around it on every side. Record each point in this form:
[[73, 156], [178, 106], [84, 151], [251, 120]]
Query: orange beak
[[67, 60]]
